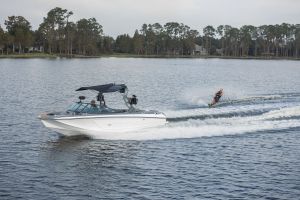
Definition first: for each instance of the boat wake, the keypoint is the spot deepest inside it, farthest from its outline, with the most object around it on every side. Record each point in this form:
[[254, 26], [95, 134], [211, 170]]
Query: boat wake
[[280, 119], [269, 113]]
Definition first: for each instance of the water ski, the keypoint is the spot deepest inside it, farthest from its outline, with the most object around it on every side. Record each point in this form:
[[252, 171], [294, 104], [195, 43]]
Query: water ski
[[216, 98], [210, 105]]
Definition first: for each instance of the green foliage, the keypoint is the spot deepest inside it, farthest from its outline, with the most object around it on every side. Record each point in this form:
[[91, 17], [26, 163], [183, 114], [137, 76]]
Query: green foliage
[[53, 29], [57, 34], [88, 34], [20, 31], [137, 43], [106, 44], [123, 44], [155, 39], [2, 40]]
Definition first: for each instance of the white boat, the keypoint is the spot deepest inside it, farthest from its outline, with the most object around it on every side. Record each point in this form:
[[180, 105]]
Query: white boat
[[98, 120]]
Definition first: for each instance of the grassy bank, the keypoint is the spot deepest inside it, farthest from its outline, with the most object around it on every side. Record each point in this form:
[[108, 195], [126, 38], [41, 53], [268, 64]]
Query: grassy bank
[[197, 56], [29, 55], [124, 55]]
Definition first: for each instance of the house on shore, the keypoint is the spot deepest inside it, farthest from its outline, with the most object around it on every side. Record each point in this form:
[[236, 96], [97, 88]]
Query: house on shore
[[199, 50], [220, 52], [36, 49]]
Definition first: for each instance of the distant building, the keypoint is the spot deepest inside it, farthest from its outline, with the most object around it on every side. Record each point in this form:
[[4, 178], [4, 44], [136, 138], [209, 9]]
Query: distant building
[[199, 50], [36, 49], [220, 52]]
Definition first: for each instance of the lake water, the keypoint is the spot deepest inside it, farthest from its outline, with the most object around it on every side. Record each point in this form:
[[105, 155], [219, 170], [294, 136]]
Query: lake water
[[248, 147]]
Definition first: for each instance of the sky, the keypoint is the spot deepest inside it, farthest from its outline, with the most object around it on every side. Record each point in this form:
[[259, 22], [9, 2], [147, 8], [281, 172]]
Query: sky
[[125, 16]]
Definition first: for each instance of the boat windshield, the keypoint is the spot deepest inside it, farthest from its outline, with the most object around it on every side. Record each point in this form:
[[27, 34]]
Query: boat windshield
[[88, 108]]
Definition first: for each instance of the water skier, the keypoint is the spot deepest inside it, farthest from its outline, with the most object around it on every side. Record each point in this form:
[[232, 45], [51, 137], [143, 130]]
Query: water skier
[[216, 98]]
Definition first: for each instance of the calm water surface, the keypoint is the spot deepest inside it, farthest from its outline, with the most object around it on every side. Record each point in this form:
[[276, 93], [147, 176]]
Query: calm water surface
[[246, 148]]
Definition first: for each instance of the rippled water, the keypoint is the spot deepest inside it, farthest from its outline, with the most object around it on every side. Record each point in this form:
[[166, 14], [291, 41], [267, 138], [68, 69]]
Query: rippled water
[[248, 147]]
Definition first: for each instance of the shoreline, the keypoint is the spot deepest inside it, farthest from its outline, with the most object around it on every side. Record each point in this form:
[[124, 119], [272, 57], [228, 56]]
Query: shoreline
[[120, 55]]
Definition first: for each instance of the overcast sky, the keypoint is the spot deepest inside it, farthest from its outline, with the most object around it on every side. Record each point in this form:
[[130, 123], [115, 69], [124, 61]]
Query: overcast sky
[[124, 16]]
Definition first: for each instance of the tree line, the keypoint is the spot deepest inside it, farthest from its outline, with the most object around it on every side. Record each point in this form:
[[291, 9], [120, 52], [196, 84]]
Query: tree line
[[58, 35]]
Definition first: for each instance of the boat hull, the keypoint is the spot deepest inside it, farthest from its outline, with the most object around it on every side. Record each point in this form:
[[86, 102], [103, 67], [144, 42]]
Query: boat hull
[[103, 127]]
